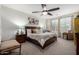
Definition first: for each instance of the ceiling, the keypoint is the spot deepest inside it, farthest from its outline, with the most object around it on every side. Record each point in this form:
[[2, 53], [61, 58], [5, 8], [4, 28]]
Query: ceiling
[[28, 8]]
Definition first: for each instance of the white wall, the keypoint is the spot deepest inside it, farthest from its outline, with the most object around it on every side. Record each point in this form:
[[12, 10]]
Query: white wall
[[0, 28], [8, 29], [42, 23], [0, 25], [11, 21], [16, 17]]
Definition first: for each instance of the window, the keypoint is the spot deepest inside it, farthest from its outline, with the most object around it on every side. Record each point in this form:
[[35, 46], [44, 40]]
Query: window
[[65, 24]]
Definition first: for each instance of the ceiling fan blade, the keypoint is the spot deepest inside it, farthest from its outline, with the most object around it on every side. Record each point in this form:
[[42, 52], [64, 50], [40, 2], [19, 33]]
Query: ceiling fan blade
[[36, 11], [53, 9], [49, 14]]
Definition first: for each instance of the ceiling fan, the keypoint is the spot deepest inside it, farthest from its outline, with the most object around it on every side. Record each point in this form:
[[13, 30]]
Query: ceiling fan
[[45, 11]]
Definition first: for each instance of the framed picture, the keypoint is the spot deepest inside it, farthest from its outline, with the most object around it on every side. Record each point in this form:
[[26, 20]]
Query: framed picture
[[33, 21]]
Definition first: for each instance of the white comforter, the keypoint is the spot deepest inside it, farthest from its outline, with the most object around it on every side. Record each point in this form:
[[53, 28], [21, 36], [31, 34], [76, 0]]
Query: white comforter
[[41, 37]]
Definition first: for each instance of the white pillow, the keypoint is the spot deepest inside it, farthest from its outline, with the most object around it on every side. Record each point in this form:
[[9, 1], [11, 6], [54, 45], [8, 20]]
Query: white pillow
[[38, 31], [28, 32]]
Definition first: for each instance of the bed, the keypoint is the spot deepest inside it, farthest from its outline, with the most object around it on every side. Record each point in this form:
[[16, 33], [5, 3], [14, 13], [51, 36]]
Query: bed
[[42, 39], [39, 38]]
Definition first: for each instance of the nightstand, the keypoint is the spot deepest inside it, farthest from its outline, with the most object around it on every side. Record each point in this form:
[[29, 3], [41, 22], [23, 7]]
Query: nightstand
[[68, 36], [21, 38]]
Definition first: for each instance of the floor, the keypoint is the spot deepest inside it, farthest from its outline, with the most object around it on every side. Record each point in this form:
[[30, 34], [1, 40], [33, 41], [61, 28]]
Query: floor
[[59, 47]]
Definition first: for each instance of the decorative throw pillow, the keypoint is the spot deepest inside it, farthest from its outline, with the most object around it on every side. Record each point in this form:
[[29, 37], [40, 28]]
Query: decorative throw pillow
[[36, 31], [33, 31]]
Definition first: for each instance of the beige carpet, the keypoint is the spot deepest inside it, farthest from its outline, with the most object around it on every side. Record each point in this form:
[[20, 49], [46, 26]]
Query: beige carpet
[[60, 47]]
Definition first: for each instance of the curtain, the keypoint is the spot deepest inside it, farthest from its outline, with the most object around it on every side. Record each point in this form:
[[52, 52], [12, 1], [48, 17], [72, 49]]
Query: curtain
[[54, 26]]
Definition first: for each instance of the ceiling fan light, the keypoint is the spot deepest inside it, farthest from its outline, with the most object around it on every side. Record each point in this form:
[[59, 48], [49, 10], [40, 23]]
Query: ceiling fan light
[[44, 13], [44, 8]]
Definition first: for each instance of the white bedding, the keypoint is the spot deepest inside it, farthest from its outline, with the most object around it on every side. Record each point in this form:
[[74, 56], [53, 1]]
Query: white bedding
[[41, 37]]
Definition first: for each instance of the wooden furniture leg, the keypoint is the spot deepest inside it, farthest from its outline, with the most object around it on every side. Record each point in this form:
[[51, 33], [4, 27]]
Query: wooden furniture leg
[[20, 50]]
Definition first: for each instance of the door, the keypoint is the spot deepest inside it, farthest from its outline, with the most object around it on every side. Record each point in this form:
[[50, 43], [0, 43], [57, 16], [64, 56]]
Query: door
[[76, 29]]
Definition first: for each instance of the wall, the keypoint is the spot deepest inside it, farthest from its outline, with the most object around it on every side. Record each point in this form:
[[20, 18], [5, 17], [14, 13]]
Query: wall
[[42, 23], [0, 25], [8, 29], [0, 28], [11, 21], [16, 17]]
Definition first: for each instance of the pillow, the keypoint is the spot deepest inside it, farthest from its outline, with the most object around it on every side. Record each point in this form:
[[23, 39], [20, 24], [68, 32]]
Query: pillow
[[36, 31], [33, 30], [28, 32]]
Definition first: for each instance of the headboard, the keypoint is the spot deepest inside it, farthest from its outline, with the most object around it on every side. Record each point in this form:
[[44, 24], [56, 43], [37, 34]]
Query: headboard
[[32, 28]]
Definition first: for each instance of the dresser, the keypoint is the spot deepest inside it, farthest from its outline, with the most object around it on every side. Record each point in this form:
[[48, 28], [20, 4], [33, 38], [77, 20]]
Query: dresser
[[68, 36], [21, 39]]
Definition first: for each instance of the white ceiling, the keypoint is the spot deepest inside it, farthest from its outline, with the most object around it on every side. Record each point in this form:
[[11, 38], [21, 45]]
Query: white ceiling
[[28, 8]]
